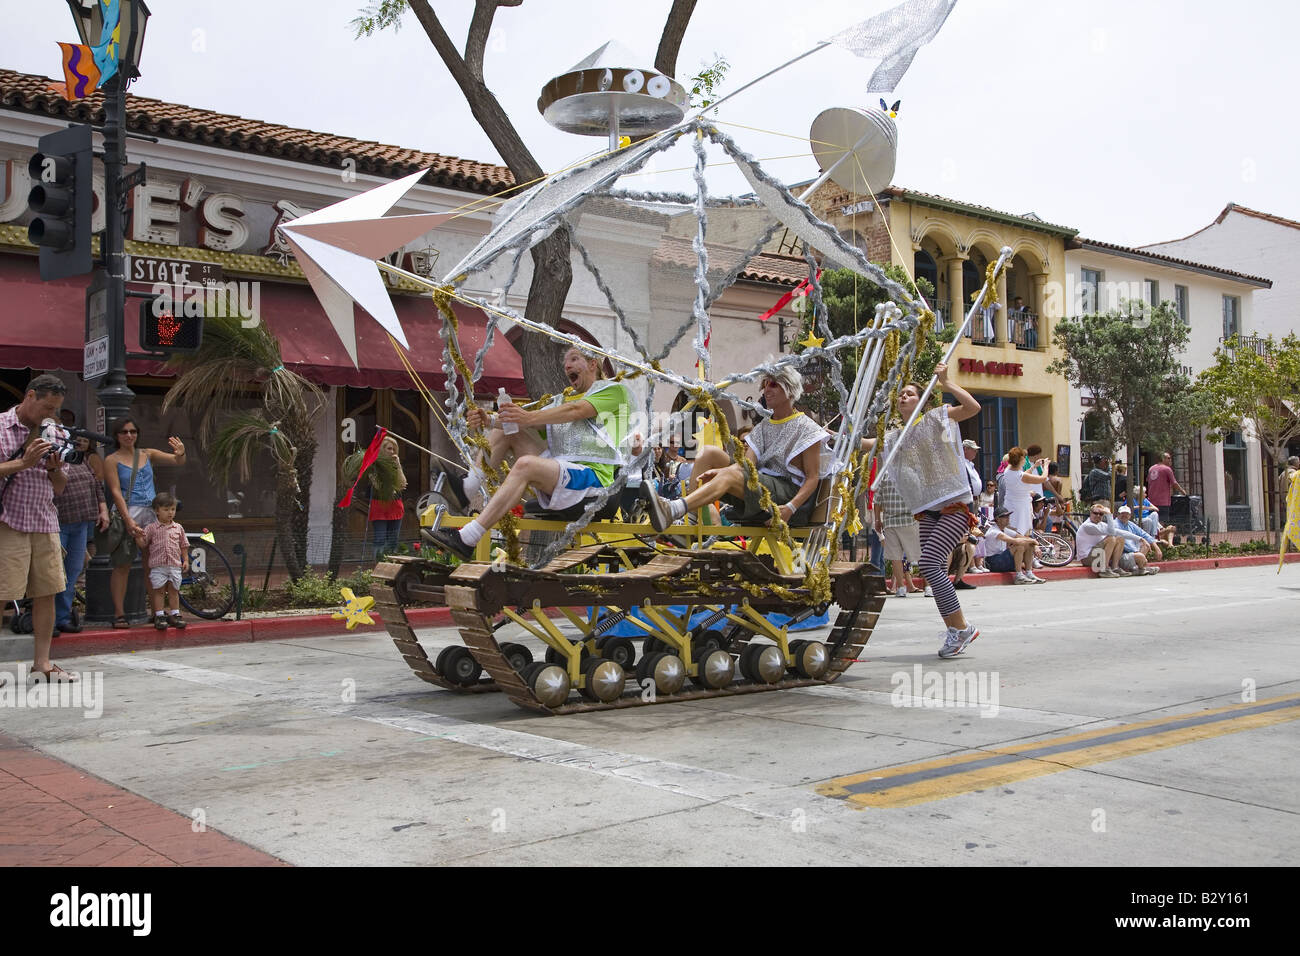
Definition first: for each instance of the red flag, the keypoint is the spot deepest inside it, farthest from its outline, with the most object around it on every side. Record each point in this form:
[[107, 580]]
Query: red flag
[[368, 459], [803, 288]]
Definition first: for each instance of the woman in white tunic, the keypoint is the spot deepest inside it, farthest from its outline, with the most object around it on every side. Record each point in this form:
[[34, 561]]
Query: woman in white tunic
[[1019, 488]]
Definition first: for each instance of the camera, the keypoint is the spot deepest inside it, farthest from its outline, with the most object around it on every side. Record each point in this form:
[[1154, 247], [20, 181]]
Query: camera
[[64, 446]]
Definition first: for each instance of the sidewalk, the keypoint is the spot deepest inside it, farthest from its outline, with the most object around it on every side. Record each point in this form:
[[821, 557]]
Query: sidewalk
[[52, 814], [201, 633]]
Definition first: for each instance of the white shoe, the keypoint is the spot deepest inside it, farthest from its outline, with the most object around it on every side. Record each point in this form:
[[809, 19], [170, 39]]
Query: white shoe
[[1035, 579], [928, 592], [901, 592], [1037, 563], [1022, 578]]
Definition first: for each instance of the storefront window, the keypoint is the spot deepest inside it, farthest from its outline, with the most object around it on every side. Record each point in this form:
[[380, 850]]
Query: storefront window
[[202, 496]]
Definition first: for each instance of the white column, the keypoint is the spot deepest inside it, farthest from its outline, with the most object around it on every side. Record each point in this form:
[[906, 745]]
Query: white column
[[320, 517]]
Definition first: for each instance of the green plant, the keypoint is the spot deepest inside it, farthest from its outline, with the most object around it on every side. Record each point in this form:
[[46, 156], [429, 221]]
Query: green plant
[[313, 589], [253, 599], [359, 581]]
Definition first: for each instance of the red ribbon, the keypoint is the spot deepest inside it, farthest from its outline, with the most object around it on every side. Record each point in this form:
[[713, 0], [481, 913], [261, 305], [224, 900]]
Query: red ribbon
[[802, 288], [368, 459]]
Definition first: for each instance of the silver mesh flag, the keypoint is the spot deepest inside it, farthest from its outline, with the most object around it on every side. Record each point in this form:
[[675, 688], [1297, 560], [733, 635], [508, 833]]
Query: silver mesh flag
[[895, 36]]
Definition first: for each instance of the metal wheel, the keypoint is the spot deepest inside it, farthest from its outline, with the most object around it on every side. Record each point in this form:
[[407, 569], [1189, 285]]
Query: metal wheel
[[762, 663], [666, 670], [549, 684], [459, 666], [208, 589], [1054, 550], [811, 660], [402, 583], [716, 670], [619, 649], [518, 655], [605, 680], [706, 641]]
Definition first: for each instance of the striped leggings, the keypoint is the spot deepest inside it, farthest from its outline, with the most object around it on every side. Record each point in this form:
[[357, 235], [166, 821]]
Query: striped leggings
[[938, 537]]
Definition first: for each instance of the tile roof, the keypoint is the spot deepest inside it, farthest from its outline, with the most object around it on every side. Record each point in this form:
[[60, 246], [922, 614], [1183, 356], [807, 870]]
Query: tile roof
[[1029, 220], [1233, 207], [1138, 253], [30, 93], [764, 267]]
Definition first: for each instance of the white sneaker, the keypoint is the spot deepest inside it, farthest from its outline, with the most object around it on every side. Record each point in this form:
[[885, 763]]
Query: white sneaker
[[957, 641], [1037, 563], [1035, 579], [928, 592], [1022, 578], [901, 592]]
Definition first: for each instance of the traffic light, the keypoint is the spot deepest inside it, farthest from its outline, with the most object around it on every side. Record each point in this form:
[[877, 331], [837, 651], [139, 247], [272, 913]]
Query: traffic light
[[164, 326], [62, 197]]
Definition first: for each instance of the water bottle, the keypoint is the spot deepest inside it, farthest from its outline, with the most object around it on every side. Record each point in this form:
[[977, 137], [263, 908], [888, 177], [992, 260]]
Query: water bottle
[[508, 428]]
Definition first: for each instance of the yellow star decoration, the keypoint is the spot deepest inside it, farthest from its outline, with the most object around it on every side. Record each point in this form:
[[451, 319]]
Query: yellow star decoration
[[708, 434], [354, 612], [812, 341]]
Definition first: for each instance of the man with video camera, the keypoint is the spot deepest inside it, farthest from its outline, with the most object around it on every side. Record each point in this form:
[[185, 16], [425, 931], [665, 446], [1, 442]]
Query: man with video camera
[[31, 473]]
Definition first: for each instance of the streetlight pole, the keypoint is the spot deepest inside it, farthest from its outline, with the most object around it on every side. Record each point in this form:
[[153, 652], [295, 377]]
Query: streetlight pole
[[114, 394]]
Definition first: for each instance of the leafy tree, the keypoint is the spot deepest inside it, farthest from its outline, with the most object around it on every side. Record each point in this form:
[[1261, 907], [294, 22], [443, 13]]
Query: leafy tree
[[552, 269], [1244, 388], [233, 363], [850, 307], [1129, 360]]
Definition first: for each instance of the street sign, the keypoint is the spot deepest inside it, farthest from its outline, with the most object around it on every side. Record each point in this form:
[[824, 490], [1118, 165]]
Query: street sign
[[94, 361], [172, 271], [96, 356]]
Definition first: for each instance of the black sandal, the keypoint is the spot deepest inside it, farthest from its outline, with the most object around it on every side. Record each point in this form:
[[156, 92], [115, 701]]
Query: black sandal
[[120, 621]]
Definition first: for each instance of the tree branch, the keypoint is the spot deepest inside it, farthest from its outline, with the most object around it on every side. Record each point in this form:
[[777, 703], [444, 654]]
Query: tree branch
[[679, 17], [482, 103], [479, 28]]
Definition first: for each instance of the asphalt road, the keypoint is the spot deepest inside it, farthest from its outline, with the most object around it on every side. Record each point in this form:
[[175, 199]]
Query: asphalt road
[[1127, 722]]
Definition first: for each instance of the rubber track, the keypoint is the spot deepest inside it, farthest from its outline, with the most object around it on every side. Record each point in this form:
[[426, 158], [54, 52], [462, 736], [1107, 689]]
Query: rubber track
[[476, 593]]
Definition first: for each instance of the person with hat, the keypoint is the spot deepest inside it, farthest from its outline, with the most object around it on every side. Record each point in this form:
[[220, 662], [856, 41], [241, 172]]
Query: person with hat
[[1007, 550], [1137, 553]]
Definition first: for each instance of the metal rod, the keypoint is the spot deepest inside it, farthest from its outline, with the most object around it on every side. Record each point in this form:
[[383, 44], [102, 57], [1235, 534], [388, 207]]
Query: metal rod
[[716, 104], [817, 183], [929, 388]]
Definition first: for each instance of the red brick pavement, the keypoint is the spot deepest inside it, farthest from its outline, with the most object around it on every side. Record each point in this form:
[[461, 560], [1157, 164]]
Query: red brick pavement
[[52, 814]]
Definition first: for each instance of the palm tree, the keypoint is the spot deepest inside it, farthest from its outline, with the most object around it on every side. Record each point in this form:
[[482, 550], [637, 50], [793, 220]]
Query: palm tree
[[233, 363]]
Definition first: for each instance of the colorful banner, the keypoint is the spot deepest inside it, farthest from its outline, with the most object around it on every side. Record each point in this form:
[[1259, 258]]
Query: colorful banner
[[79, 70], [1291, 534], [108, 50]]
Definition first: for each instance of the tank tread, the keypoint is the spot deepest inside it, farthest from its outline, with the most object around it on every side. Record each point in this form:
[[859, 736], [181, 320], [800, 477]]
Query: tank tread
[[391, 610], [477, 592]]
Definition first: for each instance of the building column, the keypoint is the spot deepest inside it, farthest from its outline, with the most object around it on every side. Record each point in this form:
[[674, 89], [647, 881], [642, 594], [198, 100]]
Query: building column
[[1215, 499], [1001, 319], [1038, 306], [956, 301]]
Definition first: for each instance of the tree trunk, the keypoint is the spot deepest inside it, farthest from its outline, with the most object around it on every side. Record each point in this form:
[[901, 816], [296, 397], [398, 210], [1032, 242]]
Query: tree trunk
[[543, 358], [302, 514]]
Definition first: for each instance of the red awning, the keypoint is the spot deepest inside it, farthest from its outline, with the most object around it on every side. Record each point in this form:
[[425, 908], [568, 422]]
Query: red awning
[[42, 325]]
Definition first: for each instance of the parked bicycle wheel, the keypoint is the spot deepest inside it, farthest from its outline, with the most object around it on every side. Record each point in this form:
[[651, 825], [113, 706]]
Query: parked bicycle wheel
[[1054, 550], [208, 588]]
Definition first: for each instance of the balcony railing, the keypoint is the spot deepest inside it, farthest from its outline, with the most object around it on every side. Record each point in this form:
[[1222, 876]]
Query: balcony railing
[[1246, 343], [1021, 329]]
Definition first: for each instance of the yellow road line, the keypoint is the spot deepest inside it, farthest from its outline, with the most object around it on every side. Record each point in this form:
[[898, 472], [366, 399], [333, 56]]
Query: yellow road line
[[961, 773]]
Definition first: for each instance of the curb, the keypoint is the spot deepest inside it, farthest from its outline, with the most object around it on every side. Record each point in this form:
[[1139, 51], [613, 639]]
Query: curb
[[250, 630]]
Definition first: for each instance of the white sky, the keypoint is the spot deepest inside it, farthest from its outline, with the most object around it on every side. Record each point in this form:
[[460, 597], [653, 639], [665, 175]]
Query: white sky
[[1133, 121]]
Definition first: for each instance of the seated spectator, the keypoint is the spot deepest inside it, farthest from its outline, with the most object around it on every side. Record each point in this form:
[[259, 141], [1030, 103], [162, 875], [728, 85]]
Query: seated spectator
[[1137, 553], [1007, 550], [962, 561], [1101, 543], [786, 449]]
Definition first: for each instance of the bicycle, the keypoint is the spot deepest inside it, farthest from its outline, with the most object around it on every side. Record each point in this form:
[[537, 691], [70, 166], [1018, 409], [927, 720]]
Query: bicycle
[[1055, 549], [208, 587]]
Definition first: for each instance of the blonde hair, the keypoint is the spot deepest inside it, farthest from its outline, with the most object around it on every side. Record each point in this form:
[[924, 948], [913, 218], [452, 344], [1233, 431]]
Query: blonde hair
[[384, 446]]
